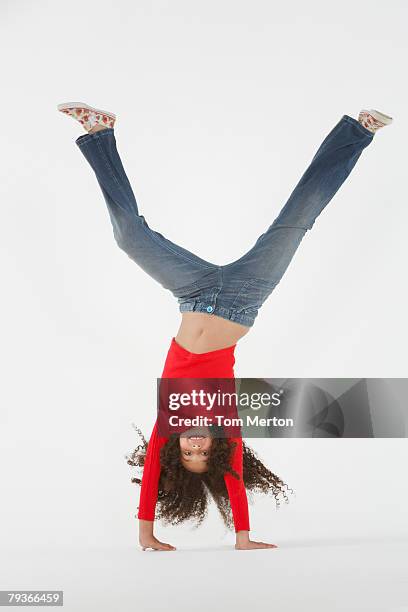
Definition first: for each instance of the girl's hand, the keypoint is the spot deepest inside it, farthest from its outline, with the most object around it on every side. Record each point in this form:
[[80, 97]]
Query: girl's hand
[[154, 543], [244, 543], [148, 540]]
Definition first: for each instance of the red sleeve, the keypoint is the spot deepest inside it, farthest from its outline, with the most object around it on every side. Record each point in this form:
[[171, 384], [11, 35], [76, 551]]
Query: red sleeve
[[236, 488], [151, 476]]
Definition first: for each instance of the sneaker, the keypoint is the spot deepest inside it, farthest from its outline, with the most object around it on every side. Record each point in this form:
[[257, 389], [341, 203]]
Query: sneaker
[[373, 120], [87, 115]]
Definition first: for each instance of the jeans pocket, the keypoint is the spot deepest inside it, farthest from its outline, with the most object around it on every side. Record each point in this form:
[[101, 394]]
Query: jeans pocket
[[252, 296], [187, 292]]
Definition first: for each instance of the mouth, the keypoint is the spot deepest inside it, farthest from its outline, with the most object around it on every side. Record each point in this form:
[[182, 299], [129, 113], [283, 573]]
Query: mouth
[[196, 433]]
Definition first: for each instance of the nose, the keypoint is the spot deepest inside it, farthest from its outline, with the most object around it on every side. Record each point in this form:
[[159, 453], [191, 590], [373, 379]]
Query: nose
[[195, 445]]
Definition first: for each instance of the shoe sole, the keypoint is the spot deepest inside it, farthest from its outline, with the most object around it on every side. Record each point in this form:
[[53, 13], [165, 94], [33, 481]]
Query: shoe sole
[[385, 119], [68, 105]]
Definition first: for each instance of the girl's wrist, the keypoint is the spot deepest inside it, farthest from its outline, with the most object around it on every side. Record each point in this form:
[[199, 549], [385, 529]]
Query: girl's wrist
[[242, 536], [145, 528]]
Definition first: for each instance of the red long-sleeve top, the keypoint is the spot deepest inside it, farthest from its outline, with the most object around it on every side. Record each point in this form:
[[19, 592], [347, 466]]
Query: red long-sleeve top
[[181, 363]]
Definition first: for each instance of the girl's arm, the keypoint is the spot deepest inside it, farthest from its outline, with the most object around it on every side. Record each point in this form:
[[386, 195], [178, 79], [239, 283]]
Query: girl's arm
[[239, 502], [149, 492], [236, 488]]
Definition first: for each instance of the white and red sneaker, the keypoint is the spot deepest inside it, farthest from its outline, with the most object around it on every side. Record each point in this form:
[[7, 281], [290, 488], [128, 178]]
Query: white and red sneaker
[[373, 120], [87, 115]]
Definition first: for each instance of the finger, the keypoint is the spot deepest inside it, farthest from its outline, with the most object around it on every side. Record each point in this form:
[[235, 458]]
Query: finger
[[265, 545], [163, 546]]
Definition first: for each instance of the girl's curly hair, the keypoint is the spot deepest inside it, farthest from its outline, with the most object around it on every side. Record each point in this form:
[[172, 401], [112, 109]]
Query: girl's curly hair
[[185, 495]]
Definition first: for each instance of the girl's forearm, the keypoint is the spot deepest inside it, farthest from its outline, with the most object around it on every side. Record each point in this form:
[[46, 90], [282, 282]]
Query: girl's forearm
[[242, 537], [146, 533], [145, 528]]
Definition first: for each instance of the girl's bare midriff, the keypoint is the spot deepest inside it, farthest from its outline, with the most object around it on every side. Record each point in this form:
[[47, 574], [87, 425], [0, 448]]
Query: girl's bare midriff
[[200, 332]]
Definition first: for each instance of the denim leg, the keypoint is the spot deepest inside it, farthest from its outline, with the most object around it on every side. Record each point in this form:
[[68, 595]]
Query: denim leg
[[268, 259], [170, 264]]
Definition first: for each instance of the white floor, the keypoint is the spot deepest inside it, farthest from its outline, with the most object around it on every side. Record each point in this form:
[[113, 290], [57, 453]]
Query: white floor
[[319, 575]]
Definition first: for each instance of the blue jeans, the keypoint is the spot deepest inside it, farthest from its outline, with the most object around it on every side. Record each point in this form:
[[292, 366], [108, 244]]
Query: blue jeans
[[235, 291]]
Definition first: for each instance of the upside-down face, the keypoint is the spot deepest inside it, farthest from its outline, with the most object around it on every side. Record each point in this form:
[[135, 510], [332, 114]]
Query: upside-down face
[[195, 448]]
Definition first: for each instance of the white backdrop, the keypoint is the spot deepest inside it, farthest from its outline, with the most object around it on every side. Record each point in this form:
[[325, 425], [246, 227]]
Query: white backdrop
[[221, 106]]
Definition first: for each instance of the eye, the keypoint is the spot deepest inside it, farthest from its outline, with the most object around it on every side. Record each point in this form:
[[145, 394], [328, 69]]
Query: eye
[[187, 453], [205, 453]]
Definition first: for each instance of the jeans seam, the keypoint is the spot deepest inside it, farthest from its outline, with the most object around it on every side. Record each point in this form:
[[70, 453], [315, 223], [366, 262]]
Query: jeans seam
[[151, 232], [355, 122], [152, 235], [243, 286], [109, 167]]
